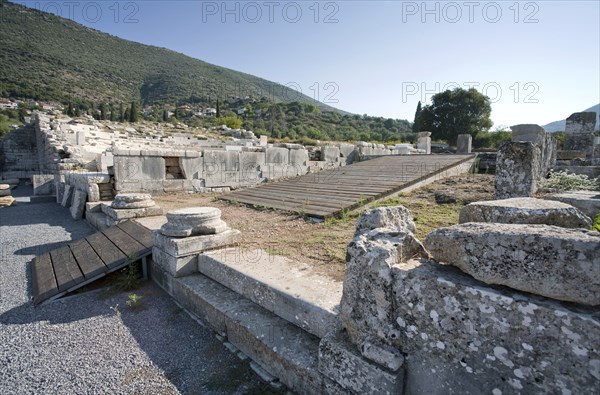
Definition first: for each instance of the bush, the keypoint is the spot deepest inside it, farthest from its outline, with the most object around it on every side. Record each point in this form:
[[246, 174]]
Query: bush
[[564, 181], [231, 122], [596, 225]]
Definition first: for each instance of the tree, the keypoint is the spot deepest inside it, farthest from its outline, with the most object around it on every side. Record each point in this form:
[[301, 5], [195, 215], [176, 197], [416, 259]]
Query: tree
[[165, 115], [455, 112], [133, 115], [121, 113], [218, 109], [111, 108], [416, 124]]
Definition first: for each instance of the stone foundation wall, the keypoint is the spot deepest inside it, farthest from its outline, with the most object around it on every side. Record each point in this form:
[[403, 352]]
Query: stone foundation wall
[[18, 154]]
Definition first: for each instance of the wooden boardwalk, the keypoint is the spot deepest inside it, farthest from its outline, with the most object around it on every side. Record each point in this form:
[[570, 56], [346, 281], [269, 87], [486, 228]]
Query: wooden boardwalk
[[76, 264], [327, 193]]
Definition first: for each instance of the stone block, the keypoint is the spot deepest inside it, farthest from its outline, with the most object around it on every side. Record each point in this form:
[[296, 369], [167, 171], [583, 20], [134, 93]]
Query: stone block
[[218, 162], [78, 204], [588, 202], [525, 211], [308, 300], [550, 261], [60, 191], [463, 144], [277, 155], [179, 247], [43, 184], [175, 266], [528, 132], [5, 192], [68, 196], [517, 170], [367, 298], [93, 192], [424, 144], [122, 214], [340, 361], [137, 168], [579, 132], [192, 168], [397, 217], [330, 153], [93, 207], [6, 201], [460, 337], [299, 158], [263, 141]]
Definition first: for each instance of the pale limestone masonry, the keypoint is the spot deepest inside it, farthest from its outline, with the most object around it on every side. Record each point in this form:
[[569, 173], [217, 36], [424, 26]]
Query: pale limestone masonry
[[187, 233], [524, 161], [463, 144]]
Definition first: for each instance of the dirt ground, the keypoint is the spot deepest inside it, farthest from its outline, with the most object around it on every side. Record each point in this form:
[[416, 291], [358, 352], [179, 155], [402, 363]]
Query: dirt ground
[[322, 246]]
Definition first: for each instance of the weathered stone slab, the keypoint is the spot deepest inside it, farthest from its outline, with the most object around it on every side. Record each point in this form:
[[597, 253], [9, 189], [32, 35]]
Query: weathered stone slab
[[463, 144], [175, 266], [586, 201], [308, 300], [67, 196], [330, 153], [558, 263], [579, 132], [179, 247], [340, 361], [121, 214], [192, 168], [60, 192], [133, 169], [525, 211], [517, 170], [277, 155], [461, 337], [78, 204], [5, 192], [4, 187]]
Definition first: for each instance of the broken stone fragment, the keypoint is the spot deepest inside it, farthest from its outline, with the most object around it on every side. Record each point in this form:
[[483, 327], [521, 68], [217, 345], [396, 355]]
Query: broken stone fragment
[[366, 305], [550, 261], [525, 211], [193, 221], [132, 201]]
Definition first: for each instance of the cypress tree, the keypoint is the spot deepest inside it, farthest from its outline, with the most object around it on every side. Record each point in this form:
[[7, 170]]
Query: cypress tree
[[416, 126]]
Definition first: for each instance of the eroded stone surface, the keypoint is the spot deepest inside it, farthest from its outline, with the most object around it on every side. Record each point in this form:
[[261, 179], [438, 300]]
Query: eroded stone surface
[[555, 262], [6, 201], [525, 211], [366, 302], [586, 201], [385, 217], [78, 204], [460, 337], [517, 169], [4, 186]]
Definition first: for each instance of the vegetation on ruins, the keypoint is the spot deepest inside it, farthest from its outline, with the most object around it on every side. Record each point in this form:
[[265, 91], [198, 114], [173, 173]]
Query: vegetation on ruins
[[455, 112], [564, 181]]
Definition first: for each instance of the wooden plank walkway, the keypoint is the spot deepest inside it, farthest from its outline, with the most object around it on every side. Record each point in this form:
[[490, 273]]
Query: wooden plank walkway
[[327, 193], [79, 263]]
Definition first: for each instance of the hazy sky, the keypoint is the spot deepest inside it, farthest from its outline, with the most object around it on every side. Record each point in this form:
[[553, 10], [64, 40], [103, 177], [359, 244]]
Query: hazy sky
[[538, 61]]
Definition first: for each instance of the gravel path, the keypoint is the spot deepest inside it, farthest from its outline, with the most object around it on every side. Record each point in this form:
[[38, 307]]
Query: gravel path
[[93, 343]]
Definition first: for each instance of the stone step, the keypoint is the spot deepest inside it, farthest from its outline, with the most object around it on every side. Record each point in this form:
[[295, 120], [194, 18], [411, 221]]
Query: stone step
[[308, 300], [280, 348]]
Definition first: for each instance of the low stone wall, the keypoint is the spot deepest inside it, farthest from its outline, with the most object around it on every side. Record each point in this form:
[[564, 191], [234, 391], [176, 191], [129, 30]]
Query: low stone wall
[[435, 329]]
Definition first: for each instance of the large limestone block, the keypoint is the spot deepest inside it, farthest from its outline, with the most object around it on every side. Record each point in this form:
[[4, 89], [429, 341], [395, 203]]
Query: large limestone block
[[78, 204], [6, 201], [529, 132], [463, 144], [461, 337], [136, 168], [67, 196], [525, 211], [558, 263], [192, 167], [278, 155], [43, 184], [330, 153], [586, 201], [517, 170]]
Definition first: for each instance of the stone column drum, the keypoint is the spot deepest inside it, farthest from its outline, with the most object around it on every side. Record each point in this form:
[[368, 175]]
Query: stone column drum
[[188, 233]]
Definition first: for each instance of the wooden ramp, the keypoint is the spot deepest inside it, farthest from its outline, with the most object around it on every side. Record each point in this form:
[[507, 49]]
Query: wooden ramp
[[327, 193], [76, 264]]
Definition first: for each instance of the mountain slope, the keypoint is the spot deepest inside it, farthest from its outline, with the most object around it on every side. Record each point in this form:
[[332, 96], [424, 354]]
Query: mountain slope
[[47, 57], [559, 126]]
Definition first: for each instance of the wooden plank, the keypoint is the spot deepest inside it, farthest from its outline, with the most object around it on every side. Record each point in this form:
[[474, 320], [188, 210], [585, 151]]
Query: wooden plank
[[88, 260], [297, 197], [43, 279], [65, 268], [130, 247], [299, 201], [140, 233], [106, 250]]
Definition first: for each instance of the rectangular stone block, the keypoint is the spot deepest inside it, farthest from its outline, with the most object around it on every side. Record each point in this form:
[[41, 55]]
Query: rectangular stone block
[[550, 261], [78, 204], [93, 207], [175, 266], [517, 170], [137, 168], [68, 196], [179, 247], [122, 214], [340, 361], [93, 192], [463, 144], [277, 155], [60, 192], [192, 168]]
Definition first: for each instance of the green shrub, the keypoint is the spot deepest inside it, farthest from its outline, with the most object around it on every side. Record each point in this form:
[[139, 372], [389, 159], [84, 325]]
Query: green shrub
[[596, 225], [564, 181]]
